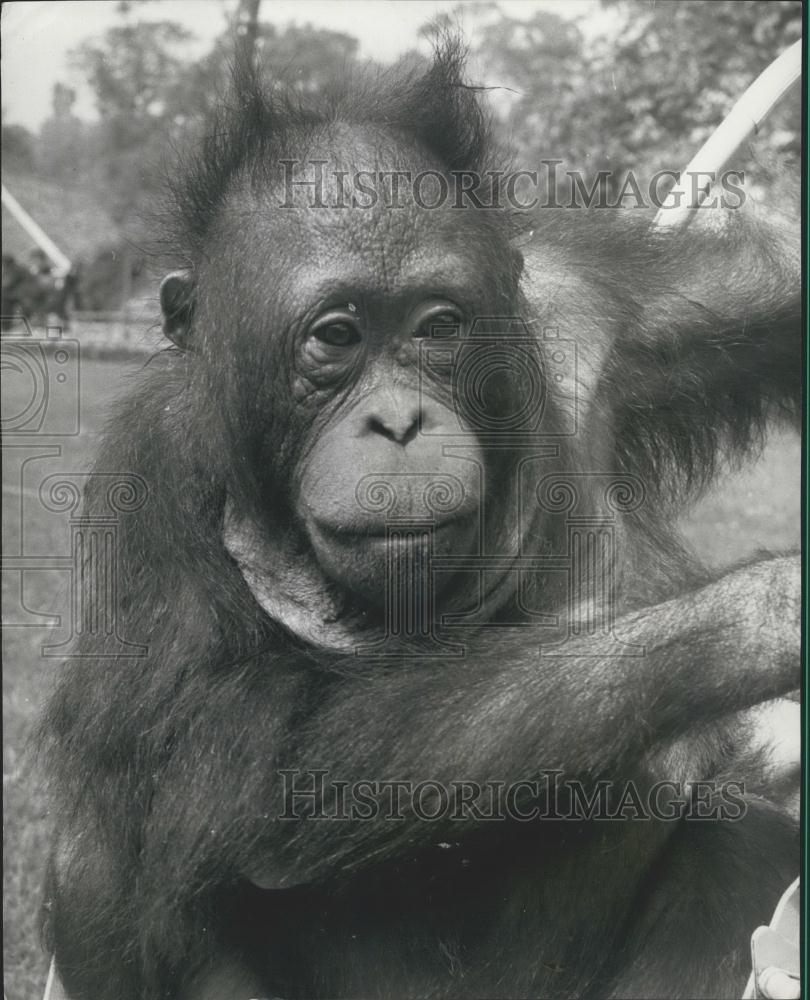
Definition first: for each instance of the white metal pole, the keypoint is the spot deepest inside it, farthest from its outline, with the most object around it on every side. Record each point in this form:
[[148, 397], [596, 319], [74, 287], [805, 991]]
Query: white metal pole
[[744, 119], [42, 240]]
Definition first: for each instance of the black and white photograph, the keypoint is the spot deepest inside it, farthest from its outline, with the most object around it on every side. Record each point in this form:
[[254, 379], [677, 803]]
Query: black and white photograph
[[402, 411]]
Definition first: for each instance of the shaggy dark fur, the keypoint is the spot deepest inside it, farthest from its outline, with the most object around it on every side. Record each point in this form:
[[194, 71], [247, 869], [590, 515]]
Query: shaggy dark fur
[[166, 768]]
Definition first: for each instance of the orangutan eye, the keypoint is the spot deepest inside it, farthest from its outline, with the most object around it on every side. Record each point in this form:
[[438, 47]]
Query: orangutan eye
[[337, 335], [439, 324]]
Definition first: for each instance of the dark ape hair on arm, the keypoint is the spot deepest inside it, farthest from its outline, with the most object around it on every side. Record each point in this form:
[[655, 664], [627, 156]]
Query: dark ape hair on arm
[[708, 334], [713, 356]]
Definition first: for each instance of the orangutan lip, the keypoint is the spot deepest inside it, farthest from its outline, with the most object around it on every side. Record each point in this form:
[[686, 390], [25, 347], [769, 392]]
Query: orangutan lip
[[381, 533]]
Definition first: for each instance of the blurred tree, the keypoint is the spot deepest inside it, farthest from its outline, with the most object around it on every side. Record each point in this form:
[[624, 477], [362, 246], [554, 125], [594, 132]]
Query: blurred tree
[[680, 67], [304, 58], [147, 85], [111, 276], [61, 151], [134, 67], [135, 70], [643, 92], [17, 148], [247, 27], [152, 89]]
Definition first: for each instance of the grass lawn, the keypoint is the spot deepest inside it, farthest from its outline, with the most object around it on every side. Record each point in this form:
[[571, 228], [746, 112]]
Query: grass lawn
[[756, 508]]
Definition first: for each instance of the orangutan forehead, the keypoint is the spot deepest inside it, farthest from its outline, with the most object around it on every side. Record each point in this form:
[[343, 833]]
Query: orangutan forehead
[[378, 213]]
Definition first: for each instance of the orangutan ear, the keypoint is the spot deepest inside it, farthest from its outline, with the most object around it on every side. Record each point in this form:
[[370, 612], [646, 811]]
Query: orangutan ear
[[177, 306]]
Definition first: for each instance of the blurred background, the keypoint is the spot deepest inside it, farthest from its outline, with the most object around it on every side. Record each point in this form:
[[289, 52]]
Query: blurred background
[[97, 96]]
